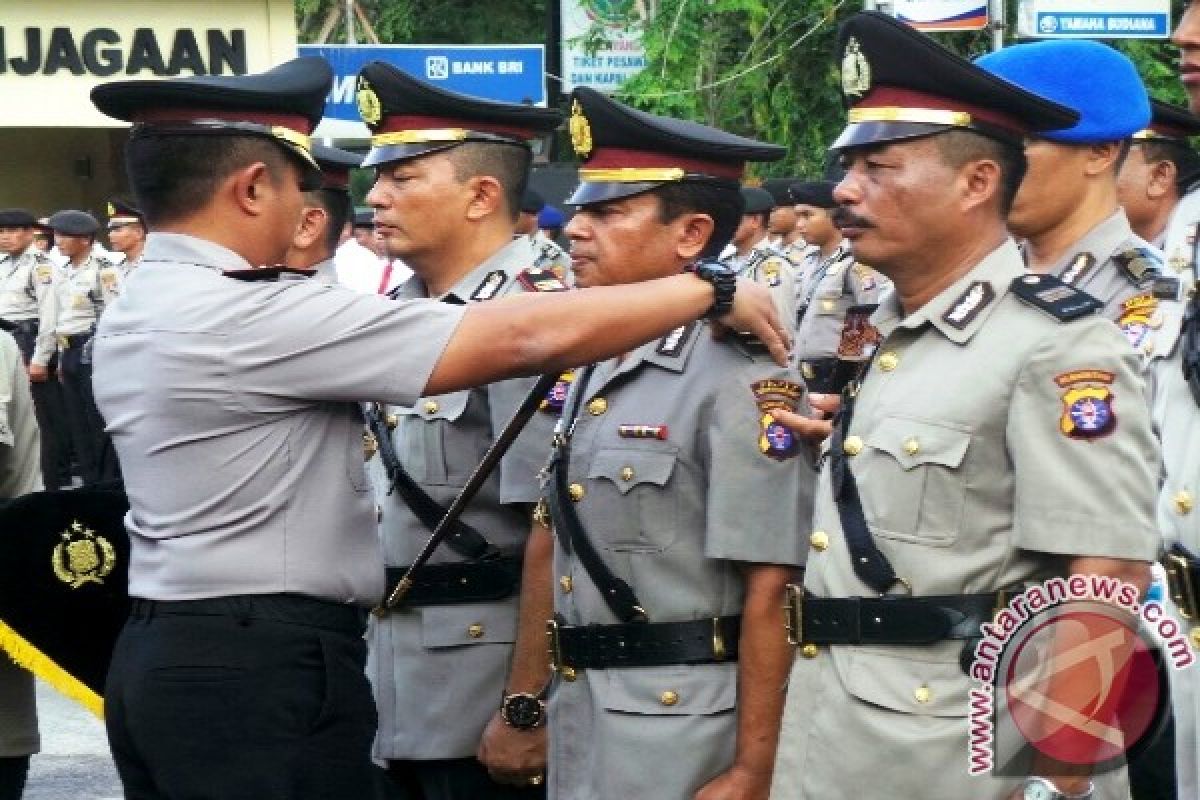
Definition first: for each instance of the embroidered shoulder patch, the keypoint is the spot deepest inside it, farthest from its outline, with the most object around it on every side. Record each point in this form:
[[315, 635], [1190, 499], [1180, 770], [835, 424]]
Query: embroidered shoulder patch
[[535, 279], [1138, 264], [672, 344], [1081, 265], [490, 286], [774, 439], [553, 402], [44, 272], [1087, 404], [866, 277], [1048, 293], [976, 298], [1139, 315], [772, 271]]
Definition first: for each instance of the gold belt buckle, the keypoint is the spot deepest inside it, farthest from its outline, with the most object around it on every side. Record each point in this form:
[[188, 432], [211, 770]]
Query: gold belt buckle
[[1179, 583], [793, 613], [718, 640], [554, 647]]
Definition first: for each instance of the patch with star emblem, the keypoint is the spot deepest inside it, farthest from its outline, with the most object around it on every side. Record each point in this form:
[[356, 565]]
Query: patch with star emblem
[[775, 440], [1049, 294], [490, 286], [1087, 404], [1139, 315], [976, 298], [553, 402], [535, 279]]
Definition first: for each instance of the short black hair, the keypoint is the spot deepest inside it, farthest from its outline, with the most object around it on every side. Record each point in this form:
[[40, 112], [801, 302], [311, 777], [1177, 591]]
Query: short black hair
[[960, 146], [337, 206], [175, 175], [722, 202], [1185, 159], [507, 163]]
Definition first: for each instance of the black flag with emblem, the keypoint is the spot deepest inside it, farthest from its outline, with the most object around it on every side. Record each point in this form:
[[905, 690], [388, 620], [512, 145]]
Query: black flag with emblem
[[64, 580]]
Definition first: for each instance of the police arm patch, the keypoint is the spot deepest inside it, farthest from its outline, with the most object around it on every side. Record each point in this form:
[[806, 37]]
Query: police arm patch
[[1087, 400], [775, 440]]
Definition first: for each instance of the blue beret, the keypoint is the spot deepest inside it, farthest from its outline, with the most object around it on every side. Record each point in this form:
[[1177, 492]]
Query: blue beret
[[551, 217], [1096, 80]]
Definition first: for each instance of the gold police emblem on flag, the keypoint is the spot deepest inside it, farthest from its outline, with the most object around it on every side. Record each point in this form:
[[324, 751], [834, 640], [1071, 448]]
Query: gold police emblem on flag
[[82, 557], [856, 70], [581, 131], [369, 107]]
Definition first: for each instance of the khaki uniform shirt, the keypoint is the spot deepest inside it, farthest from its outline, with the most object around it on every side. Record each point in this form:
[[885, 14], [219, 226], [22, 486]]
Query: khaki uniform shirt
[[765, 264], [969, 485], [671, 516], [838, 285], [82, 293], [233, 406], [26, 293], [463, 649], [19, 474]]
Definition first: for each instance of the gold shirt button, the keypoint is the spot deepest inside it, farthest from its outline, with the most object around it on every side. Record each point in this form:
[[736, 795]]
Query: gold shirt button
[[912, 446], [431, 407], [576, 491], [391, 420], [627, 473], [852, 446], [827, 306], [566, 583], [1184, 502], [475, 631], [809, 651], [597, 406], [669, 698], [888, 361], [923, 694], [819, 540], [1194, 636], [568, 674]]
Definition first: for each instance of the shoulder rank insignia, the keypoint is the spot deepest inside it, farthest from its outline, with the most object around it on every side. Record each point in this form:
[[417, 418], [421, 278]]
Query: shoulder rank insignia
[[554, 400], [1080, 265], [1138, 264], [1166, 288], [490, 286], [772, 271], [774, 440], [1048, 293], [83, 557], [1139, 314], [672, 344], [1087, 404], [541, 280], [976, 298], [859, 337], [866, 277]]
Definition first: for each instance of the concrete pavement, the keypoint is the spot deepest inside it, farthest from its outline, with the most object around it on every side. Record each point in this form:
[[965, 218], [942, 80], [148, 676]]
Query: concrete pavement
[[74, 763]]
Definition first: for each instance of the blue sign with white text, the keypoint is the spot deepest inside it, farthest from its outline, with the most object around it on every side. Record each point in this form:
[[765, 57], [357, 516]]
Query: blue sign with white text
[[505, 73], [1111, 25]]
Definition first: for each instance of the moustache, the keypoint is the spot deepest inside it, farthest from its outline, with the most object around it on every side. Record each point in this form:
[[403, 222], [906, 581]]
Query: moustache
[[845, 218]]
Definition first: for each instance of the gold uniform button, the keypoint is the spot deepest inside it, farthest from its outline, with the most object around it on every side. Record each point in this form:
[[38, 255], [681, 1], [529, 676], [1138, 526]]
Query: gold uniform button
[[1194, 636], [475, 631], [912, 446], [809, 651], [597, 406], [923, 694], [431, 407], [627, 473], [889, 361], [566, 583], [819, 540], [576, 491], [568, 674], [827, 306], [852, 446], [669, 698], [1184, 502], [391, 420]]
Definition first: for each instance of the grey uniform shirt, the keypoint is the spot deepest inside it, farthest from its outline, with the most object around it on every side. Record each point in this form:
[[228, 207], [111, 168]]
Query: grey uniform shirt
[[837, 285], [678, 481], [463, 649], [26, 293], [233, 408], [81, 294], [1179, 245], [19, 474], [969, 485], [767, 265]]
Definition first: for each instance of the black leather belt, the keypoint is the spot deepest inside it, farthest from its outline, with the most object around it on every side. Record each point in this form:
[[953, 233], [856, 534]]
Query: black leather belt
[[5, 325], [643, 644], [482, 581], [889, 619], [74, 340], [827, 375], [1183, 579], [294, 609]]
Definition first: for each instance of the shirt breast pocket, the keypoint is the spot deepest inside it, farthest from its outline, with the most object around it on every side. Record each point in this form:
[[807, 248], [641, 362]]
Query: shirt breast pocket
[[912, 480], [639, 512], [424, 439]]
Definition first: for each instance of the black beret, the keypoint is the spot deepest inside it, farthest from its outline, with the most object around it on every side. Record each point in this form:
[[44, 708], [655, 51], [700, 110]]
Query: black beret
[[756, 201], [121, 210], [778, 187], [335, 165], [16, 218], [409, 117], [73, 223], [814, 193], [900, 84], [532, 202]]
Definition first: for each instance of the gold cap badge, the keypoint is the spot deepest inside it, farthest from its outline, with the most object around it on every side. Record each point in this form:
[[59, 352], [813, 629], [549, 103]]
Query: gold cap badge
[[581, 131], [856, 70], [83, 557], [369, 107], [112, 210]]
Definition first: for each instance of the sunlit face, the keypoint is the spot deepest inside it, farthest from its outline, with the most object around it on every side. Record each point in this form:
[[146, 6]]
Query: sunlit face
[[1055, 179], [419, 206], [622, 241], [1133, 184]]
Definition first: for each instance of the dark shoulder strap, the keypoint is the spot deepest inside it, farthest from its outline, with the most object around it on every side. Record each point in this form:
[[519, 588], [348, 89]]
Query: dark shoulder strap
[[1049, 294]]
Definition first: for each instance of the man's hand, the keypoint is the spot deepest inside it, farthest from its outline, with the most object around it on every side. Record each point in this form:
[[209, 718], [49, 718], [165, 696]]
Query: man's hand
[[814, 428], [512, 756], [38, 373], [754, 312], [737, 783]]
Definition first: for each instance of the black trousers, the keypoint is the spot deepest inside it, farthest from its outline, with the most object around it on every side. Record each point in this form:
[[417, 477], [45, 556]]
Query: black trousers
[[242, 698], [50, 411], [454, 779], [84, 423], [12, 777]]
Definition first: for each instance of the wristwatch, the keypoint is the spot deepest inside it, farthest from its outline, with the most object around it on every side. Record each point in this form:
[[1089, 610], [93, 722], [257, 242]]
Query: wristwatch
[[1042, 789], [523, 711], [724, 283]]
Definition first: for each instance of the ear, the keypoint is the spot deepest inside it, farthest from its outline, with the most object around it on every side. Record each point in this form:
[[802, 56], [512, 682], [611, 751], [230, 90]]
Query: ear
[[693, 233], [982, 182], [1162, 179], [487, 197], [250, 188], [312, 227], [1102, 157]]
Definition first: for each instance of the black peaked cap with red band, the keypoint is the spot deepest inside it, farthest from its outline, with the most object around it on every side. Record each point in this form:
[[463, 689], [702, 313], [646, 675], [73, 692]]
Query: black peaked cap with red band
[[900, 84], [409, 117], [1170, 123], [335, 165], [627, 152]]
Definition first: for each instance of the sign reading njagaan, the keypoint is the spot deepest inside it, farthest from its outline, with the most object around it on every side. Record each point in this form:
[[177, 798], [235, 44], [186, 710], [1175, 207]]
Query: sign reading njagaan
[[103, 52]]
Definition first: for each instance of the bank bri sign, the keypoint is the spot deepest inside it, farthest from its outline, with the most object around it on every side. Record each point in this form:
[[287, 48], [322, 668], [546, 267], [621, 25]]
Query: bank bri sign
[[505, 73], [1095, 19]]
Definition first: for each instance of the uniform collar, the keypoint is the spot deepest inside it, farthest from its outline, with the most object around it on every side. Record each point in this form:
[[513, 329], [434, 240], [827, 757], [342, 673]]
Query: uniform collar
[[671, 353], [1101, 241], [961, 309], [486, 281], [181, 248]]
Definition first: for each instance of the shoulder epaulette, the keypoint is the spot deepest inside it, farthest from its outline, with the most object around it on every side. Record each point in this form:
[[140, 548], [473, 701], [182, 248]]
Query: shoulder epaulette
[[1138, 263], [537, 279], [490, 286], [1049, 294]]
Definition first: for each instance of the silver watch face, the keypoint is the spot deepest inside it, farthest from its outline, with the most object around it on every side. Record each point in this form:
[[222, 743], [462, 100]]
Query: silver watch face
[[1039, 790]]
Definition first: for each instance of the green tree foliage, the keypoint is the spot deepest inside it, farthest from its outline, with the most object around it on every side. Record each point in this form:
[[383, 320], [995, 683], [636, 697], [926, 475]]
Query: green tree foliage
[[435, 21]]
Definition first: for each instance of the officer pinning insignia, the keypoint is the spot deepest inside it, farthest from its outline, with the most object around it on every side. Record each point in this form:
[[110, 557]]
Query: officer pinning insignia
[[536, 279], [83, 556], [1139, 315], [557, 396], [1080, 265], [490, 286], [1137, 263], [976, 298], [1087, 404], [672, 344], [775, 440], [859, 337], [642, 432], [1049, 294]]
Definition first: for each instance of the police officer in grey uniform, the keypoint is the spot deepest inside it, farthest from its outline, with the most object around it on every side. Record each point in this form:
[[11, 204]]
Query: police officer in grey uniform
[[1180, 242], [232, 392], [1032, 457], [126, 233], [548, 254], [672, 492], [457, 629], [751, 254], [1156, 174], [26, 299], [18, 475], [82, 288], [326, 211]]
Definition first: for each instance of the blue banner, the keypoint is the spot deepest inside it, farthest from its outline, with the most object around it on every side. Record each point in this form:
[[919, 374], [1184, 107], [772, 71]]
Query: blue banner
[[1131, 25], [506, 73]]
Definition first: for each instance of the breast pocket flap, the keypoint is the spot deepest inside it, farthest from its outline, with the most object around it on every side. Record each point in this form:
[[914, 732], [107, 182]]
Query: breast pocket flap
[[683, 690], [927, 688], [914, 443], [627, 469]]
